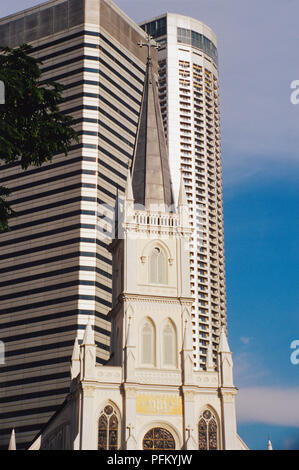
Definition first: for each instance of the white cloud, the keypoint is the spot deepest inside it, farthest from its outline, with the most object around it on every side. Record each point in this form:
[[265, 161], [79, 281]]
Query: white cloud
[[245, 340], [276, 406], [249, 369]]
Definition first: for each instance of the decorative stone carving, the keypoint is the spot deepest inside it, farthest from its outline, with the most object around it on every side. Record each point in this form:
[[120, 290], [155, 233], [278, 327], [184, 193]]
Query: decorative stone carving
[[158, 377], [130, 392], [228, 397], [88, 391], [107, 374], [189, 395], [206, 379]]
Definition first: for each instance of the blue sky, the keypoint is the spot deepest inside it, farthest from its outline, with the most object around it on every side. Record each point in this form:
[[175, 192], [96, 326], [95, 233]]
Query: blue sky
[[258, 48]]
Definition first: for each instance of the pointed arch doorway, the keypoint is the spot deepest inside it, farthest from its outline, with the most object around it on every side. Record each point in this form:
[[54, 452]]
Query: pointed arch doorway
[[158, 439]]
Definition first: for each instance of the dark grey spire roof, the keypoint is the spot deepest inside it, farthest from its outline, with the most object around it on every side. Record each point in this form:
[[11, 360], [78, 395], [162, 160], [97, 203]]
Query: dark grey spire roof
[[151, 180]]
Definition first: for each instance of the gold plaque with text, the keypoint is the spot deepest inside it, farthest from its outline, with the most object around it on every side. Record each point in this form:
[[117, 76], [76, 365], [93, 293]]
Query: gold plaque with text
[[158, 404]]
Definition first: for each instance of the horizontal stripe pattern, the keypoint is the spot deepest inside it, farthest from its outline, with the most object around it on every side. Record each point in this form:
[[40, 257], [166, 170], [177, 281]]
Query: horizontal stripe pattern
[[55, 272]]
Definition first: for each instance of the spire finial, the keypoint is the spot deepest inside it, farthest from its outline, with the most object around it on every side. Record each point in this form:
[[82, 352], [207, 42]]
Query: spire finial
[[12, 441], [75, 362], [223, 343], [129, 190], [269, 447], [149, 44], [76, 350], [88, 334]]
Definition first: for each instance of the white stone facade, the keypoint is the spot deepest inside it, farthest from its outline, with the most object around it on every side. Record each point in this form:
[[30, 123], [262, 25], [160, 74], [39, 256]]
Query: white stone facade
[[170, 399]]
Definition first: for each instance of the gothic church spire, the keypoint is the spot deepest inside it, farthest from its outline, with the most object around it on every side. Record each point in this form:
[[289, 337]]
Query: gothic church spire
[[151, 180]]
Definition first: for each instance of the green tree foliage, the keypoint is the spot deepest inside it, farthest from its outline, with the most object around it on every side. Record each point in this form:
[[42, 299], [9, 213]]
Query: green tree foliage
[[32, 128]]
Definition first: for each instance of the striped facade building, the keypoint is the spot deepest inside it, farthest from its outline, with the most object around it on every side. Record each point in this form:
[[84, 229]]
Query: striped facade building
[[55, 269]]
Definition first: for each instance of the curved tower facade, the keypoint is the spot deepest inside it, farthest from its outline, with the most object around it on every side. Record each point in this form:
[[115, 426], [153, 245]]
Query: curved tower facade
[[189, 100]]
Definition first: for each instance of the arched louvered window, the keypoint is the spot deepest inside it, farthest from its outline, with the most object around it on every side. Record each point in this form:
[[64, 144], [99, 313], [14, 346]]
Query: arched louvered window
[[157, 267], [108, 429], [208, 431], [148, 343], [169, 345]]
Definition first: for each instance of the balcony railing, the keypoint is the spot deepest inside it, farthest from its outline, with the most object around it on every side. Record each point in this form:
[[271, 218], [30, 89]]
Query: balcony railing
[[158, 220]]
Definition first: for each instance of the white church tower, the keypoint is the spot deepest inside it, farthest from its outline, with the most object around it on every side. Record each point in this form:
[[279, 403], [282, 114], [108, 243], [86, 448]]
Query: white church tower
[[148, 395]]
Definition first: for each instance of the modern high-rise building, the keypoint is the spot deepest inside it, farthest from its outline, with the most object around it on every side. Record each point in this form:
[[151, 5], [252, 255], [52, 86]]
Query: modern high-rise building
[[189, 100], [148, 396], [55, 269], [55, 266]]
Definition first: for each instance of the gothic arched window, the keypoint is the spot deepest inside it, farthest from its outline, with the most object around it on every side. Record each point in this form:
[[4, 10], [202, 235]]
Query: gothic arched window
[[207, 431], [159, 439], [108, 429], [157, 267], [169, 345], [148, 343]]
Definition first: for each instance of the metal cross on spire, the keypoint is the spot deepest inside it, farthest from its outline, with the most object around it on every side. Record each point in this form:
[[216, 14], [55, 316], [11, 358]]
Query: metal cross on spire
[[149, 44]]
